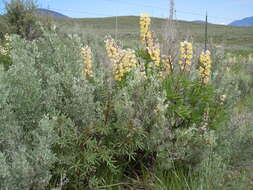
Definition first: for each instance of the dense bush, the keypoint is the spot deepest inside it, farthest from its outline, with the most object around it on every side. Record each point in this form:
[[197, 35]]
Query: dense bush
[[26, 134], [21, 19]]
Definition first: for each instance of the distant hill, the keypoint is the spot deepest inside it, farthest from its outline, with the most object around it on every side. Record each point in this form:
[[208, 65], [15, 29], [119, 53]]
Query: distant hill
[[243, 22], [49, 13], [199, 21], [128, 29]]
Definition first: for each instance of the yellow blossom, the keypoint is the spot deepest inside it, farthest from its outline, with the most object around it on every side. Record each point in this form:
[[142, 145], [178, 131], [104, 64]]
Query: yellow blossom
[[205, 67], [123, 60], [5, 49], [111, 46], [166, 66], [186, 55], [147, 39], [145, 22], [87, 55], [155, 53], [223, 99]]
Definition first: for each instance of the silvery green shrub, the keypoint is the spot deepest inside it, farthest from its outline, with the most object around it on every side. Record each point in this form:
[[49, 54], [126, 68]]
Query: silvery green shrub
[[60, 129], [26, 134]]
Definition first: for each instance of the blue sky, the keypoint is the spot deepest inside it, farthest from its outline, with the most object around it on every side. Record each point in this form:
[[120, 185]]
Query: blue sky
[[220, 11]]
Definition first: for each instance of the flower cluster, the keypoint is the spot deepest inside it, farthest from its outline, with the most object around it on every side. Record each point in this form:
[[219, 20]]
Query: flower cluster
[[204, 125], [147, 38], [112, 48], [4, 50], [205, 67], [154, 52], [223, 99], [123, 60], [185, 55], [87, 55], [145, 22], [167, 65]]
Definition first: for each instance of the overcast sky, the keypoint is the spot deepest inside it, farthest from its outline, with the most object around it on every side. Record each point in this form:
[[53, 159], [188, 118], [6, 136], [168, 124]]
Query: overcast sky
[[219, 11]]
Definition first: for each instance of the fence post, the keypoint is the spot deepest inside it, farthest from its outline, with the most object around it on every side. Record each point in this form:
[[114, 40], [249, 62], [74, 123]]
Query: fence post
[[206, 31], [116, 26]]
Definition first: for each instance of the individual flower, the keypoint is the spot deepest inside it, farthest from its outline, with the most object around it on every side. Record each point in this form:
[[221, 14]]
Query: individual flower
[[186, 52], [223, 99], [205, 66], [87, 55]]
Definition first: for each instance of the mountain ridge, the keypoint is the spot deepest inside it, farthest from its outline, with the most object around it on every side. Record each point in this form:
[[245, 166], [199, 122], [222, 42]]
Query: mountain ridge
[[248, 21], [49, 13]]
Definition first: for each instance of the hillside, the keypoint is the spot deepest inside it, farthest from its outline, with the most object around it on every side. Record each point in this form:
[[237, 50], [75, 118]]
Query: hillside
[[201, 21], [243, 22], [235, 38], [49, 13]]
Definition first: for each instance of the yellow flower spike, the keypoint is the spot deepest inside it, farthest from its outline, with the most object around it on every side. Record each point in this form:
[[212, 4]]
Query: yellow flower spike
[[154, 53], [111, 46], [147, 39], [145, 22], [166, 66], [123, 60], [205, 67], [186, 55], [87, 55]]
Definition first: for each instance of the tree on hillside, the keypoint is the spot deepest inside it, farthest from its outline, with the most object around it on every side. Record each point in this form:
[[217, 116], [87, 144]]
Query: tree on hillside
[[20, 18]]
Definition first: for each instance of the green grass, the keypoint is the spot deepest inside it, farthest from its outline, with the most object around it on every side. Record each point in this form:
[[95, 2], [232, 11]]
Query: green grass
[[238, 40]]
